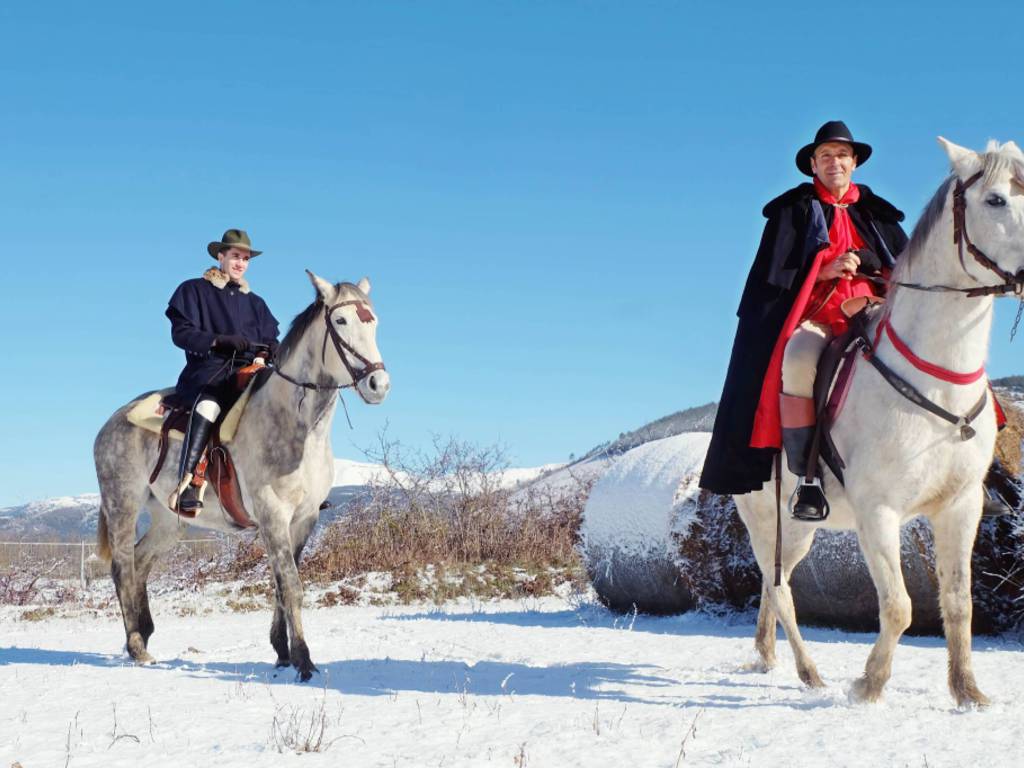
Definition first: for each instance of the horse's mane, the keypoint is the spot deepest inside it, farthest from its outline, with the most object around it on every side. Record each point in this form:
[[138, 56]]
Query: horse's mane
[[930, 217]]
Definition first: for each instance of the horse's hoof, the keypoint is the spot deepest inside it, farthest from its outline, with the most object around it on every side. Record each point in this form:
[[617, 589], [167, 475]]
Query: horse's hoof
[[306, 674], [811, 678], [137, 650], [762, 666], [971, 698], [863, 692], [282, 663]]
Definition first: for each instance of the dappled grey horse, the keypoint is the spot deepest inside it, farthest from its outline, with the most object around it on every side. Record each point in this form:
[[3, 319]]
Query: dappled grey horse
[[282, 454]]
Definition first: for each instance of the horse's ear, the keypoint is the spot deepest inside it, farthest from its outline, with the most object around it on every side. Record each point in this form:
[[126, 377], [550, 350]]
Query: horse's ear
[[965, 161], [325, 289], [1012, 147], [364, 285]]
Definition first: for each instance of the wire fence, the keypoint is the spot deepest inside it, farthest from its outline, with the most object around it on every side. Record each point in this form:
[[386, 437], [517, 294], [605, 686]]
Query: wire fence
[[77, 561]]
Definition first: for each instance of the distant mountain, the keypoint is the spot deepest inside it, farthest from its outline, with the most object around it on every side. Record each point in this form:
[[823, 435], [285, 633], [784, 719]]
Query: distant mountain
[[74, 518], [65, 518], [699, 419]]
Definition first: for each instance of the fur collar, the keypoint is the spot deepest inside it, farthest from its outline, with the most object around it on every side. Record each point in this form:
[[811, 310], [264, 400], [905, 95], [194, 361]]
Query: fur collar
[[219, 279]]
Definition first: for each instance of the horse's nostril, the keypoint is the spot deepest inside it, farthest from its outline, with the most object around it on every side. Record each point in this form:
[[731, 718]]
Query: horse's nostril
[[373, 383]]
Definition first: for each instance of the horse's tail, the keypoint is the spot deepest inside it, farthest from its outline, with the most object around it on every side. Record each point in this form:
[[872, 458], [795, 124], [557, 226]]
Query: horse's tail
[[103, 539]]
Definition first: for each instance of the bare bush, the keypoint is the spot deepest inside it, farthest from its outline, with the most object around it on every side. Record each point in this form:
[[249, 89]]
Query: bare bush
[[20, 585], [448, 508]]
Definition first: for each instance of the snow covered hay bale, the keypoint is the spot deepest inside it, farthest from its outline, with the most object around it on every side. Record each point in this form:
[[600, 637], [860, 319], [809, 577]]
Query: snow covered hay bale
[[654, 542]]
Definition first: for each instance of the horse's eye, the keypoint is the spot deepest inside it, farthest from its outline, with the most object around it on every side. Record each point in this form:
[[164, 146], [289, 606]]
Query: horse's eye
[[996, 201], [341, 321]]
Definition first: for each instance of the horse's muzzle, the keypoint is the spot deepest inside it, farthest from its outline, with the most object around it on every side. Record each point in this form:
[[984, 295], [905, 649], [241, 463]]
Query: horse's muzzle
[[375, 387]]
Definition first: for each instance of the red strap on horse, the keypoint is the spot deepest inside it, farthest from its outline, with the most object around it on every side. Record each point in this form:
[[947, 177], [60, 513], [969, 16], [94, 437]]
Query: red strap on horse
[[943, 374]]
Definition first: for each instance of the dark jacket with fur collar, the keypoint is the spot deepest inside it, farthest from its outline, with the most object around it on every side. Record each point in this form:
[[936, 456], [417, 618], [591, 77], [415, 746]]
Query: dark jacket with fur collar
[[797, 229], [204, 308]]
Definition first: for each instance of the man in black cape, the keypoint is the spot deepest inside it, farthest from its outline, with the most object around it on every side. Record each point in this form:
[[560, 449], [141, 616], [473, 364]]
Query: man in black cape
[[796, 234]]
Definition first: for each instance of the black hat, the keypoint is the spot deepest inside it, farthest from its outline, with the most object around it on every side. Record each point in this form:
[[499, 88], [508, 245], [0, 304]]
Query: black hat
[[833, 130]]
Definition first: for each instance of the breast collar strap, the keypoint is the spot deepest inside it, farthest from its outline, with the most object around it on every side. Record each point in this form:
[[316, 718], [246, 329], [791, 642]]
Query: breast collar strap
[[936, 371]]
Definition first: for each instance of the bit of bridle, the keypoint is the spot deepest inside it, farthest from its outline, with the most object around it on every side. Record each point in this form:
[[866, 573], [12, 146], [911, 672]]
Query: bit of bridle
[[345, 351]]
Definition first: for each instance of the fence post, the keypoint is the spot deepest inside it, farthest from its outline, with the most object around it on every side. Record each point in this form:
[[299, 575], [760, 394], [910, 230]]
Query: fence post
[[82, 575]]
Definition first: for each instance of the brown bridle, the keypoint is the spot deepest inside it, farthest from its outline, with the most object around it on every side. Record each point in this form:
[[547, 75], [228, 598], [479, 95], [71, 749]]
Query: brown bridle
[[1011, 283], [344, 350]]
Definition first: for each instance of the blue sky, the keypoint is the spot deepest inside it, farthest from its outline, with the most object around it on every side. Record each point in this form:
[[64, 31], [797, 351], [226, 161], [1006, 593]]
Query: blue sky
[[557, 202]]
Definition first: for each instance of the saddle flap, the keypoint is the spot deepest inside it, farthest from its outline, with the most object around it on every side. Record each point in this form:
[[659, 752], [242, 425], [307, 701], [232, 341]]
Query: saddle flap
[[224, 479], [832, 383]]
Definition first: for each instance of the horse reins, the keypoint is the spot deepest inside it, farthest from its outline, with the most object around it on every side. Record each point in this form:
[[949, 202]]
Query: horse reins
[[344, 350]]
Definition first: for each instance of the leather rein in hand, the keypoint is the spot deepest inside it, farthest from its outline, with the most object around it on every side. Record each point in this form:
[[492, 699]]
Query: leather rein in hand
[[344, 349]]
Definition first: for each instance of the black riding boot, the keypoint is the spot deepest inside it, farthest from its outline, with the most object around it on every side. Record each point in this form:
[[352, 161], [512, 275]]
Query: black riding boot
[[809, 502], [191, 452]]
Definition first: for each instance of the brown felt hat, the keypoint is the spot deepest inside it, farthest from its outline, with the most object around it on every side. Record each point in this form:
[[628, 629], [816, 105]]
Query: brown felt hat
[[233, 238]]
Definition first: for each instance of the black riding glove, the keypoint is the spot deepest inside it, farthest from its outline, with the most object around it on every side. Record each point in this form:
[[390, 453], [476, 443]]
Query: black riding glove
[[870, 264], [231, 343]]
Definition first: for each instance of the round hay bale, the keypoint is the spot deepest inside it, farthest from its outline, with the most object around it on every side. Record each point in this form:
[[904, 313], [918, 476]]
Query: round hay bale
[[655, 543], [628, 524]]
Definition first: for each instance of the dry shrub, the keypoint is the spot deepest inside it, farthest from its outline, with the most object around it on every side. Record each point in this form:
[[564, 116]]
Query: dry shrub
[[715, 560], [448, 508], [1009, 440]]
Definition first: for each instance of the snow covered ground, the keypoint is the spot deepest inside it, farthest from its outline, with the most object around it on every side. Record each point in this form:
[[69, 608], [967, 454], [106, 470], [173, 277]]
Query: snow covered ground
[[550, 682]]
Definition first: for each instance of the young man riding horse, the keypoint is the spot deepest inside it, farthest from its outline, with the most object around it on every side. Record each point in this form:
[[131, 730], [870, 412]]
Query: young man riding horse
[[825, 251], [221, 324]]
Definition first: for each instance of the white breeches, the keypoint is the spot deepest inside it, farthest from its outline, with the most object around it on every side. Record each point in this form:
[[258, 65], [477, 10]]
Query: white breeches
[[800, 360], [208, 409]]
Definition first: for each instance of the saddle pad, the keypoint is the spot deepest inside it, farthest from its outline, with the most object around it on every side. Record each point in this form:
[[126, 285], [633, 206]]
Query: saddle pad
[[148, 414]]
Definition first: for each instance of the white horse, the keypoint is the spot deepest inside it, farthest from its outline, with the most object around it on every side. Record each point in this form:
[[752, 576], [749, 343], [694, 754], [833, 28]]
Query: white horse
[[902, 460], [282, 453]]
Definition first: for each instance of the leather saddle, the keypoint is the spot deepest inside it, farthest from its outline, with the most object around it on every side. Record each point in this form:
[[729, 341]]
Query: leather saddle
[[153, 413], [216, 467]]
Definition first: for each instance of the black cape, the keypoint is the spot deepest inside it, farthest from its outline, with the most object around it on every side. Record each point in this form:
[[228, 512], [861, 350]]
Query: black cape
[[797, 229]]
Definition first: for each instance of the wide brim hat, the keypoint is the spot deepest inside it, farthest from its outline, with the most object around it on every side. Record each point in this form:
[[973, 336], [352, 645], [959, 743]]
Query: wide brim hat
[[233, 238], [834, 130]]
